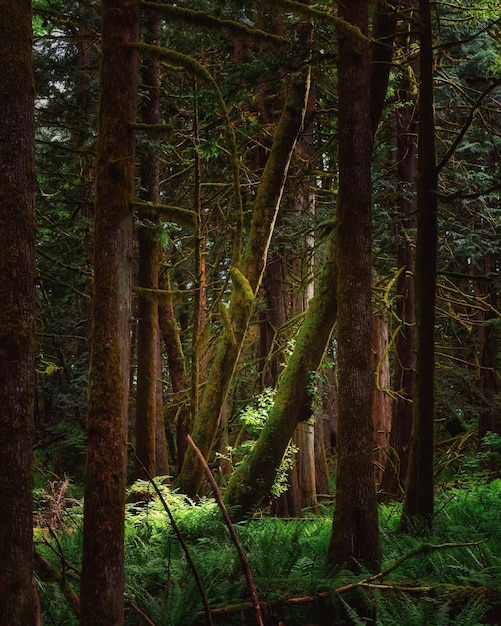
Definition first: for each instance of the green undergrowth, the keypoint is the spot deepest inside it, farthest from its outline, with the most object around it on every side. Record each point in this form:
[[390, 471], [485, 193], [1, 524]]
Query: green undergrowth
[[449, 576]]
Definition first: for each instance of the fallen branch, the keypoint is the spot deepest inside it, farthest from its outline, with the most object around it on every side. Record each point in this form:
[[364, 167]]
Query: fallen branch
[[367, 583], [48, 572]]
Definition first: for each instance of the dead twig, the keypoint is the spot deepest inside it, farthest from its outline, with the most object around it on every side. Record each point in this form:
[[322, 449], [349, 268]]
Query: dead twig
[[245, 563]]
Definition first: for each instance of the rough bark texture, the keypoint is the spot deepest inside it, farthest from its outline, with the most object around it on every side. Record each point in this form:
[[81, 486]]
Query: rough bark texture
[[102, 584], [17, 312], [419, 495], [355, 532]]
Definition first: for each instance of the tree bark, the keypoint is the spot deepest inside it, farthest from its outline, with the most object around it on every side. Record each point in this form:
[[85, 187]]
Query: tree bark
[[395, 476], [381, 404], [102, 584], [148, 269], [419, 495], [17, 312], [355, 532]]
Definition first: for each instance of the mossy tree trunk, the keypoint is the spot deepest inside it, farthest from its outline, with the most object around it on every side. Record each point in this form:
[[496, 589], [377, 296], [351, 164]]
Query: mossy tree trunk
[[17, 313], [251, 482], [419, 495], [102, 584], [246, 278], [355, 532]]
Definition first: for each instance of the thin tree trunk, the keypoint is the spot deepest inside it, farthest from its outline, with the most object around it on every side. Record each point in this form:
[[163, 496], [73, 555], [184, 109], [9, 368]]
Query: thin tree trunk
[[419, 496], [395, 476], [102, 580], [17, 313], [381, 403], [169, 331], [148, 268]]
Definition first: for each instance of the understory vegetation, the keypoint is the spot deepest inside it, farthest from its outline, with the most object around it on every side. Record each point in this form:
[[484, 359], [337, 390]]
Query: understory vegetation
[[451, 575]]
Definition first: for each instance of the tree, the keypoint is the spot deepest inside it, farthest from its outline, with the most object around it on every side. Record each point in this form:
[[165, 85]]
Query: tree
[[17, 312], [355, 531], [395, 475], [419, 495], [102, 563], [149, 424]]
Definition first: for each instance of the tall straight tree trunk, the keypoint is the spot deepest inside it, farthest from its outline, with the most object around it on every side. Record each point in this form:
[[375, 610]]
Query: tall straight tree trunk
[[419, 495], [148, 269], [395, 476], [102, 584], [17, 313], [355, 532]]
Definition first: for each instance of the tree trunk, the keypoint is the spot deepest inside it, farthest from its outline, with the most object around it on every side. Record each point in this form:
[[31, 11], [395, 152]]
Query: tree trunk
[[381, 403], [102, 584], [17, 313], [395, 476], [251, 482], [148, 268], [419, 495], [355, 532], [169, 331]]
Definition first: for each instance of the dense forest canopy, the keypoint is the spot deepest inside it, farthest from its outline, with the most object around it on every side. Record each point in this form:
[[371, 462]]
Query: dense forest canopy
[[267, 245]]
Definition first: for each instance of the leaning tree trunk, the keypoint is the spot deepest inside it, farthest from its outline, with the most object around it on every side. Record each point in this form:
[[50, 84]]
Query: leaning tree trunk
[[17, 313], [419, 495], [102, 578], [355, 532], [246, 281], [251, 482]]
